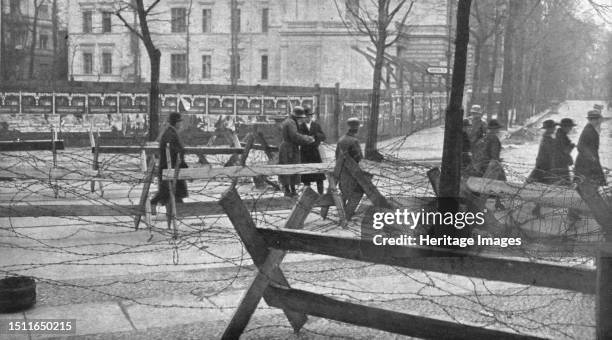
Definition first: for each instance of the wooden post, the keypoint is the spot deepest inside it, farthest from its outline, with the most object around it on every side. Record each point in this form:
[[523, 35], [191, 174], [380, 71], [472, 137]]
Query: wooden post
[[604, 294], [257, 248], [171, 206], [249, 140], [143, 160], [301, 209], [54, 151], [96, 161], [144, 195], [333, 191]]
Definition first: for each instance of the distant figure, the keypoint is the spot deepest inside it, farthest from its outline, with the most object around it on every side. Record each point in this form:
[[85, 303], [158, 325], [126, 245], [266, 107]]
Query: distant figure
[[544, 160], [486, 156], [170, 138], [310, 153], [588, 166], [348, 146], [562, 158], [288, 150], [478, 129], [598, 107], [466, 146]]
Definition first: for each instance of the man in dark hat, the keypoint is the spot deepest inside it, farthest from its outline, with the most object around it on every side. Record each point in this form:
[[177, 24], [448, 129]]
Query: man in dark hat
[[466, 145], [170, 137], [289, 148], [478, 129], [348, 146], [588, 166], [310, 153], [544, 160], [562, 157]]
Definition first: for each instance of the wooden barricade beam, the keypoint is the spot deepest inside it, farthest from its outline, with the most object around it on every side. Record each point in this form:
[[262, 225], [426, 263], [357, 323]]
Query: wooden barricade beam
[[31, 145], [366, 184], [601, 210], [152, 149], [256, 246], [382, 319]]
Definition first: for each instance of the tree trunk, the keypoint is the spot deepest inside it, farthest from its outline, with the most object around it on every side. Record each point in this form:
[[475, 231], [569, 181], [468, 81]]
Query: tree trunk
[[155, 57], [371, 151], [33, 45], [450, 176], [55, 29], [507, 91], [493, 71]]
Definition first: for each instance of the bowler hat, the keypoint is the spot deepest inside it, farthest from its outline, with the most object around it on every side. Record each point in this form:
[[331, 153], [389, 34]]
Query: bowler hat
[[298, 112], [353, 121], [567, 122], [593, 114], [548, 124], [466, 122], [174, 118], [308, 111], [493, 124], [598, 107]]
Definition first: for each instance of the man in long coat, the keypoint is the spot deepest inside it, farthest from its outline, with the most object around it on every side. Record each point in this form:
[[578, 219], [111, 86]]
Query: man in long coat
[[486, 160], [310, 153], [348, 146], [562, 157], [478, 129], [544, 160], [289, 148], [588, 166], [170, 137]]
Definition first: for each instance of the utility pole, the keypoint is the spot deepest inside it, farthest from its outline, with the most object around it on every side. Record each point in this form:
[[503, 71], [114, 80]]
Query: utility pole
[[234, 37]]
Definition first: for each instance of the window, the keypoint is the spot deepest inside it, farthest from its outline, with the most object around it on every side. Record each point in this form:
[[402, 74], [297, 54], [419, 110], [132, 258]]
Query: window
[[87, 21], [106, 22], [352, 8], [178, 20], [264, 67], [206, 20], [15, 6], [87, 63], [43, 12], [43, 42], [107, 63], [206, 67], [264, 20], [178, 65]]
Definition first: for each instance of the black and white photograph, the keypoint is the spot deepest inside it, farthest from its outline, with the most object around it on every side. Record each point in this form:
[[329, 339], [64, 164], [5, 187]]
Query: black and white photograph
[[305, 169]]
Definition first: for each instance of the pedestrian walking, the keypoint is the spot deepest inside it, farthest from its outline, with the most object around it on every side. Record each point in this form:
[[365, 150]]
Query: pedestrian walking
[[588, 166], [289, 148], [170, 138], [486, 160], [544, 160], [310, 153], [348, 146], [478, 129], [562, 156]]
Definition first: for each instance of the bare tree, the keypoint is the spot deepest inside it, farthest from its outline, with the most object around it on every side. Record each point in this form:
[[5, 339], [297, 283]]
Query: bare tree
[[33, 40], [376, 22], [451, 166], [144, 34]]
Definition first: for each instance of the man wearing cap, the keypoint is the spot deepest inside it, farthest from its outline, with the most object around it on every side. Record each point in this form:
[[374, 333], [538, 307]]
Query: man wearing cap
[[588, 166], [478, 129], [289, 148], [562, 158], [544, 160], [170, 138], [310, 153], [348, 146]]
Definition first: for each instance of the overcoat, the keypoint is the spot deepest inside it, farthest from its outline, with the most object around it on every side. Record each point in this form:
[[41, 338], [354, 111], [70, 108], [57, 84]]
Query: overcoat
[[477, 131], [171, 138], [544, 162], [289, 148], [310, 153], [587, 161], [562, 158], [486, 156], [348, 146]]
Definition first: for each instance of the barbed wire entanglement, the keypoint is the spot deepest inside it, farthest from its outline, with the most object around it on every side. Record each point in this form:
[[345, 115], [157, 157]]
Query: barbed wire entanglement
[[92, 259]]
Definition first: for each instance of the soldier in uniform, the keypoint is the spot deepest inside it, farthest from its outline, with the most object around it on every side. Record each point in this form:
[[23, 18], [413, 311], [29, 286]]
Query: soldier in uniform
[[310, 153], [544, 160], [348, 146], [588, 166], [562, 158], [170, 137], [478, 129], [289, 148]]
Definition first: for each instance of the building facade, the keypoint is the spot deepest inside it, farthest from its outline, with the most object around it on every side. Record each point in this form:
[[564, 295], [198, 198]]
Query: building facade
[[279, 42]]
